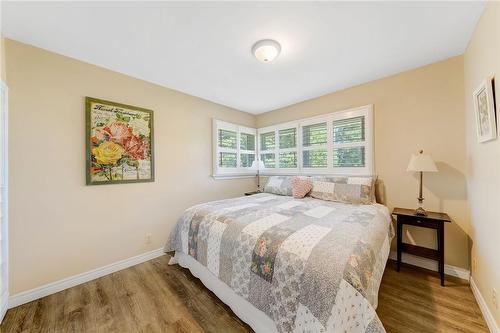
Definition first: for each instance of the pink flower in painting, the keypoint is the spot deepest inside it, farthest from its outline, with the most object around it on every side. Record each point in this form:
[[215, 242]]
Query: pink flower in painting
[[98, 136], [136, 148], [119, 133]]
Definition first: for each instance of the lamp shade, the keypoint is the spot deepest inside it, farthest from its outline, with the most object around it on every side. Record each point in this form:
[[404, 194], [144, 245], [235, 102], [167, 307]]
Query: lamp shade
[[421, 162], [258, 165]]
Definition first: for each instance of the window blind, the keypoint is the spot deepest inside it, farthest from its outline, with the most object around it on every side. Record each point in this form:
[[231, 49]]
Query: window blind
[[288, 138], [314, 140], [247, 141], [349, 157], [234, 149], [227, 160], [345, 133], [267, 141], [349, 130], [246, 160], [336, 143], [269, 160], [313, 135], [288, 160], [317, 158], [227, 139]]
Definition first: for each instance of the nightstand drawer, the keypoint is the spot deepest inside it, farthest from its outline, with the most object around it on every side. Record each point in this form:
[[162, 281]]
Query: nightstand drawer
[[419, 222]]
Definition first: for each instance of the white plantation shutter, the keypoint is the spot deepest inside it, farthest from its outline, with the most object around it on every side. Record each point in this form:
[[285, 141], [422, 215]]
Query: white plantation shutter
[[247, 149], [314, 145], [234, 149], [349, 142], [267, 149], [278, 148], [336, 143], [228, 153], [287, 152]]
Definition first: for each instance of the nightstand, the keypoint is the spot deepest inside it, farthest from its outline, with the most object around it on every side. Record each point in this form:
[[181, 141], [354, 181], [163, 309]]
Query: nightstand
[[432, 220], [252, 193]]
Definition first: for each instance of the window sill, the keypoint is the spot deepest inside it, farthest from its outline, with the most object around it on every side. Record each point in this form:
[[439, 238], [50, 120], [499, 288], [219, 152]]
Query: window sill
[[222, 177]]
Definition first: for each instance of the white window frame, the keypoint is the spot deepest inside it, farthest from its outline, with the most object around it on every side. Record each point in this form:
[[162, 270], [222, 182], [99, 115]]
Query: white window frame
[[219, 172], [327, 146], [368, 169], [277, 150]]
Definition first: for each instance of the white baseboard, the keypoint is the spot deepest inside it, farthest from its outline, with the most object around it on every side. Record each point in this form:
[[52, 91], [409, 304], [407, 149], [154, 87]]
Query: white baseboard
[[488, 316], [431, 265], [54, 287], [4, 304]]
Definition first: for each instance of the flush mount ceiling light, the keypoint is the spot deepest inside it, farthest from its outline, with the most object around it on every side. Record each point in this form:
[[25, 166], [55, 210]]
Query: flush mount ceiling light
[[266, 50]]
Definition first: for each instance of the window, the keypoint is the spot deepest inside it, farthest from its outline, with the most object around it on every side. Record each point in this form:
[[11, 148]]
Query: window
[[267, 147], [335, 143], [347, 132], [278, 148], [287, 148], [247, 149], [314, 145], [350, 146], [235, 149]]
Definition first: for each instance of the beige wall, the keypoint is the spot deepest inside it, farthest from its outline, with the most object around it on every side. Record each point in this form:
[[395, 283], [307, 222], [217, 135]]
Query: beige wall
[[60, 227], [482, 59], [3, 75], [422, 108]]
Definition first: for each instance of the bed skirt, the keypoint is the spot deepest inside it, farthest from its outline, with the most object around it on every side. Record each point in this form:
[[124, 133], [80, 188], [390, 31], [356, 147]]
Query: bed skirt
[[248, 313]]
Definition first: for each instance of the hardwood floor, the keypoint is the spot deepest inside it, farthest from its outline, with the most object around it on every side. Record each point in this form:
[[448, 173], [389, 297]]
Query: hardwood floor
[[155, 297], [414, 301]]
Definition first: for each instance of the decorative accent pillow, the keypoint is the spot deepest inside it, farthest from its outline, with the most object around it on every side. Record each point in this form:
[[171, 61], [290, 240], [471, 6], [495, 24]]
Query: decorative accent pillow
[[301, 187], [281, 185], [368, 181], [348, 193], [359, 180]]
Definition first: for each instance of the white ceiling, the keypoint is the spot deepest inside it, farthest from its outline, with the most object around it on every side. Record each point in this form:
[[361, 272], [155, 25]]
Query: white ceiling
[[203, 48]]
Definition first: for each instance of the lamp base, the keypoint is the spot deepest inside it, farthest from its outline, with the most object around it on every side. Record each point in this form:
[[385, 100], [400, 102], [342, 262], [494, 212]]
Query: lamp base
[[420, 211]]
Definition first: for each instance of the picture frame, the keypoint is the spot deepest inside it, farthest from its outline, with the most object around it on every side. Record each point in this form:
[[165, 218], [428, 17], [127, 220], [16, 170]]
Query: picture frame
[[119, 143], [484, 108]]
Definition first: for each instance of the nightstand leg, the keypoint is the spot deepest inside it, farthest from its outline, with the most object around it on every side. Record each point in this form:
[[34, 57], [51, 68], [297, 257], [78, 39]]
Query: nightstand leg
[[440, 231], [399, 243]]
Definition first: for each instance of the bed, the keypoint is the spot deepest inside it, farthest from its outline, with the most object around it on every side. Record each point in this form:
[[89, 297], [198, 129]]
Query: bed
[[289, 265]]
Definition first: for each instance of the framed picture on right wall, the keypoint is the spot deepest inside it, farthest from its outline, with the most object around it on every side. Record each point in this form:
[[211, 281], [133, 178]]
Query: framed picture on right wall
[[484, 106]]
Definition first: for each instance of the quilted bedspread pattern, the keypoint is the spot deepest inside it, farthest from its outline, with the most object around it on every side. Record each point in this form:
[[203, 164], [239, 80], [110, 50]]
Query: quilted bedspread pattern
[[309, 264]]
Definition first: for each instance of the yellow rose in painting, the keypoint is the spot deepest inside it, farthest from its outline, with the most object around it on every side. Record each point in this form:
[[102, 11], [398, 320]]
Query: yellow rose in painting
[[108, 152]]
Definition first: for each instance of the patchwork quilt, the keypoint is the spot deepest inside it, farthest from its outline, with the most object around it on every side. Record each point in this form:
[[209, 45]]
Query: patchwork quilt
[[310, 265]]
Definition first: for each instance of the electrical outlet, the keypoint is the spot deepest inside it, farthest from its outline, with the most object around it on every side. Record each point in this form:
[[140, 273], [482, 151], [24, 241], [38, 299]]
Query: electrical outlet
[[494, 298], [148, 238]]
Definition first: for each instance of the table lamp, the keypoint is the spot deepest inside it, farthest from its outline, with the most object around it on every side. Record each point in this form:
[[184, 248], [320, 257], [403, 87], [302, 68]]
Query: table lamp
[[421, 163], [258, 165]]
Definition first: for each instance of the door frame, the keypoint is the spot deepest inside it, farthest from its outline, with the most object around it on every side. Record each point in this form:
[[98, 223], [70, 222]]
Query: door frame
[[4, 228]]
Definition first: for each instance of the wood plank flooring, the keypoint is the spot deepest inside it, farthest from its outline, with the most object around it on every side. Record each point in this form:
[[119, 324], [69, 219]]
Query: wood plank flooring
[[155, 297]]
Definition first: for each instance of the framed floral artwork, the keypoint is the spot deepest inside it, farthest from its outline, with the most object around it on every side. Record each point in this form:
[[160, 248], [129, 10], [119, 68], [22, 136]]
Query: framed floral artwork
[[119, 143], [484, 107]]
